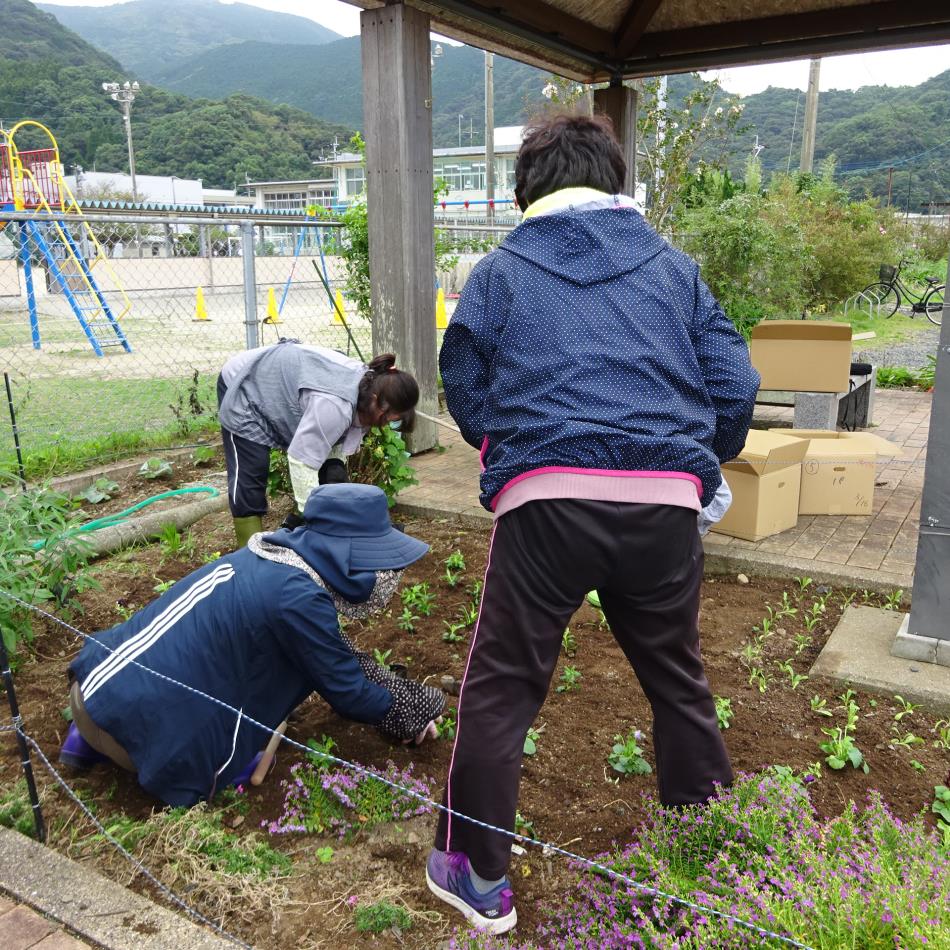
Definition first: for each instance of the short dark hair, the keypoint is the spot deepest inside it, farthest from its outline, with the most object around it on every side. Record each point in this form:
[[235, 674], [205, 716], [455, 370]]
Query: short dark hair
[[394, 389], [568, 151]]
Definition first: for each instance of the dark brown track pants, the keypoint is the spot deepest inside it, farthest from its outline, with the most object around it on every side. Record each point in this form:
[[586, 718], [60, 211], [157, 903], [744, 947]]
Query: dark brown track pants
[[646, 562]]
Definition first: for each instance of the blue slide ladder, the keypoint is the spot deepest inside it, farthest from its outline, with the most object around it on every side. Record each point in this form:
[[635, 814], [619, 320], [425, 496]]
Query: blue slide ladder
[[80, 289]]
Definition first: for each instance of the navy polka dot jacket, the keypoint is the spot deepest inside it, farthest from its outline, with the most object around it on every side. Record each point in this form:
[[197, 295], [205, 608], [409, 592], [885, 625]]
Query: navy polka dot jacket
[[586, 341]]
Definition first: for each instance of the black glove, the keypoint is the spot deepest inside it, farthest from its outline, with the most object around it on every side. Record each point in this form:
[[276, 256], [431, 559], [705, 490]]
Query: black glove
[[332, 472]]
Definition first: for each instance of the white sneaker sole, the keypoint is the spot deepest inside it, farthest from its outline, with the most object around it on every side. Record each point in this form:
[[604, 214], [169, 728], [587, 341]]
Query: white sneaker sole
[[497, 925]]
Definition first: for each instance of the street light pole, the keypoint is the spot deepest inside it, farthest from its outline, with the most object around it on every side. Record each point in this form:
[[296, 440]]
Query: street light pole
[[125, 94]]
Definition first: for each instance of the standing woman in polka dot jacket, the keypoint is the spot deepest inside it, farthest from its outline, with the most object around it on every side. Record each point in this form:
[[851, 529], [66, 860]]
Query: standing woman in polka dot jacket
[[604, 386]]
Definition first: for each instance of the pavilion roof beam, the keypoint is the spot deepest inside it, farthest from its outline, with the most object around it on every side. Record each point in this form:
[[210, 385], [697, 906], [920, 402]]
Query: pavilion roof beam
[[894, 23], [540, 23]]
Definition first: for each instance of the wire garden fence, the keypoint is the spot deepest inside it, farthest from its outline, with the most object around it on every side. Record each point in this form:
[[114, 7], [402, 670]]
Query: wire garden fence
[[113, 329]]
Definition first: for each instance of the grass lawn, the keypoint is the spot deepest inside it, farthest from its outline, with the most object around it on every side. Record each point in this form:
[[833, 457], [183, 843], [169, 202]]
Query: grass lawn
[[69, 424]]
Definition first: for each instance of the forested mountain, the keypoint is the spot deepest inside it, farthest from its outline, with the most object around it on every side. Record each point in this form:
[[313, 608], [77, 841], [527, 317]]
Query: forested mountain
[[327, 81], [28, 34], [147, 36], [221, 142]]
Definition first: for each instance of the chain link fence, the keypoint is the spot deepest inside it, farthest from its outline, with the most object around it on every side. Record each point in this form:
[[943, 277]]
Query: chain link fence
[[113, 329]]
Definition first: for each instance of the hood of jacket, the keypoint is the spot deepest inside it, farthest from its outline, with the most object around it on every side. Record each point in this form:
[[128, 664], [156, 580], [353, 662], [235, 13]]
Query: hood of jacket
[[586, 246], [325, 558]]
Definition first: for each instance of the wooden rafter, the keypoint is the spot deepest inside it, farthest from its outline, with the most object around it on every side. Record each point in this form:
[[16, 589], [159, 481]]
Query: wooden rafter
[[634, 24], [545, 20]]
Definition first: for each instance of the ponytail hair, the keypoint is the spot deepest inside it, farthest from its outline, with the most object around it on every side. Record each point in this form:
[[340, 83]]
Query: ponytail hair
[[394, 389]]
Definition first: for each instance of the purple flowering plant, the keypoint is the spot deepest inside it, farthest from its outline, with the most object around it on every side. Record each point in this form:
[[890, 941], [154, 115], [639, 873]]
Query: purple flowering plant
[[320, 800], [757, 852]]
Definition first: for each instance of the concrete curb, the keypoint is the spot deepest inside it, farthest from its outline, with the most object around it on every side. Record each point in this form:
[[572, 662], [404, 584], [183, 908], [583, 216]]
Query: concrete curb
[[93, 907]]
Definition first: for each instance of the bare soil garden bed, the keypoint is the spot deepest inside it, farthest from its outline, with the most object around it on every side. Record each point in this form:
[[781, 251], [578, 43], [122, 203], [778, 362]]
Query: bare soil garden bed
[[569, 795]]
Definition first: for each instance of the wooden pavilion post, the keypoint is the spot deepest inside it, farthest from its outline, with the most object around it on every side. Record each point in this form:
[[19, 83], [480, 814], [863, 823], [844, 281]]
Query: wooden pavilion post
[[397, 117], [619, 104]]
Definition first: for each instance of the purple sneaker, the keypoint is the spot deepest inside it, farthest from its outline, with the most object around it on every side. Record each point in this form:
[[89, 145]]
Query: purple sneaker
[[77, 753], [448, 876]]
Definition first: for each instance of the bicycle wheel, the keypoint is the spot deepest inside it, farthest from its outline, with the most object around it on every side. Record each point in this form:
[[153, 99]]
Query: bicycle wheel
[[879, 300], [933, 304]]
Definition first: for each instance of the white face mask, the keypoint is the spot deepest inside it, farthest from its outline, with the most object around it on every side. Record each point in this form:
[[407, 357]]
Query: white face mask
[[386, 585]]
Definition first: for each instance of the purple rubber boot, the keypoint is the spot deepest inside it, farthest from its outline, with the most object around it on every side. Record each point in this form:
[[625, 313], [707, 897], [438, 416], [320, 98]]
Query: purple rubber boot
[[448, 874], [77, 753]]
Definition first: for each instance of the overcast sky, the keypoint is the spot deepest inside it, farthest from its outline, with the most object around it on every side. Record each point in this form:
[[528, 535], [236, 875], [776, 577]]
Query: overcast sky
[[893, 68]]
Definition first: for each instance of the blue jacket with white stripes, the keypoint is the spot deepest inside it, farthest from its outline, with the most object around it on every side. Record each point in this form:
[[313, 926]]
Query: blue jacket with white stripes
[[254, 634]]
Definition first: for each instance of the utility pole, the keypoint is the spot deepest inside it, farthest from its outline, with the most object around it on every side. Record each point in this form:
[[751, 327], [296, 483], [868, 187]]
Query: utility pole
[[811, 118], [890, 178], [490, 133], [460, 129], [125, 96]]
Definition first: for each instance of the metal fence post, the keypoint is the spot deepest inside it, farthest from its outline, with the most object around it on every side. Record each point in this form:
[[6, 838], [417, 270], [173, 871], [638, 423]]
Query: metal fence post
[[25, 762], [250, 286]]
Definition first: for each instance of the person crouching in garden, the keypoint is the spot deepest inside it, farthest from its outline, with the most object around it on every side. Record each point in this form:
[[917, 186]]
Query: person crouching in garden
[[258, 630], [604, 386], [311, 402]]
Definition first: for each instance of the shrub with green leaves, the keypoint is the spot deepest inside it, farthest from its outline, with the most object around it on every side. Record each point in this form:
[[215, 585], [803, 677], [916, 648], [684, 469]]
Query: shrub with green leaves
[[42, 561], [382, 460]]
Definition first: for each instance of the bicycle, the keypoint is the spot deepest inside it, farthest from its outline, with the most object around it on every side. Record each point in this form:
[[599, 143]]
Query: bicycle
[[887, 294]]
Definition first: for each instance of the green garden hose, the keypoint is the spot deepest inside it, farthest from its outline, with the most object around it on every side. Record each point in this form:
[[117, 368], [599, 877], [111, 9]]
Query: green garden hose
[[110, 521]]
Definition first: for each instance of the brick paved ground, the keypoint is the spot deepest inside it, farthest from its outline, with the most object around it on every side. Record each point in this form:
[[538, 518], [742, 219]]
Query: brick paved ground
[[882, 545], [21, 928]]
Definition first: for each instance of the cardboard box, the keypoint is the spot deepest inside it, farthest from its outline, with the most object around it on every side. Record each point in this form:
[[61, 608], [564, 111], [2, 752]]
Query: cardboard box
[[765, 480], [809, 356], [839, 470]]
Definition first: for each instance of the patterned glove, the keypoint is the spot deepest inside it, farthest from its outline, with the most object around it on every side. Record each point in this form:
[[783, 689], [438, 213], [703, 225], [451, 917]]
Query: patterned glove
[[414, 705]]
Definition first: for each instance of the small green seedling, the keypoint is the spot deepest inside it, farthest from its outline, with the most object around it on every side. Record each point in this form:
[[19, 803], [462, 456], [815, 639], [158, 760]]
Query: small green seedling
[[446, 728], [324, 855], [893, 600], [759, 678], [469, 615], [382, 656], [942, 729], [941, 808], [524, 827], [455, 561], [906, 739], [123, 610], [570, 679], [162, 586], [323, 748], [155, 468], [203, 454], [418, 598], [626, 756], [454, 632], [531, 741], [407, 620], [724, 712], [803, 584], [819, 705], [906, 708], [568, 643], [211, 556], [917, 766], [174, 544], [794, 679], [802, 643], [593, 598], [102, 489], [840, 748]]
